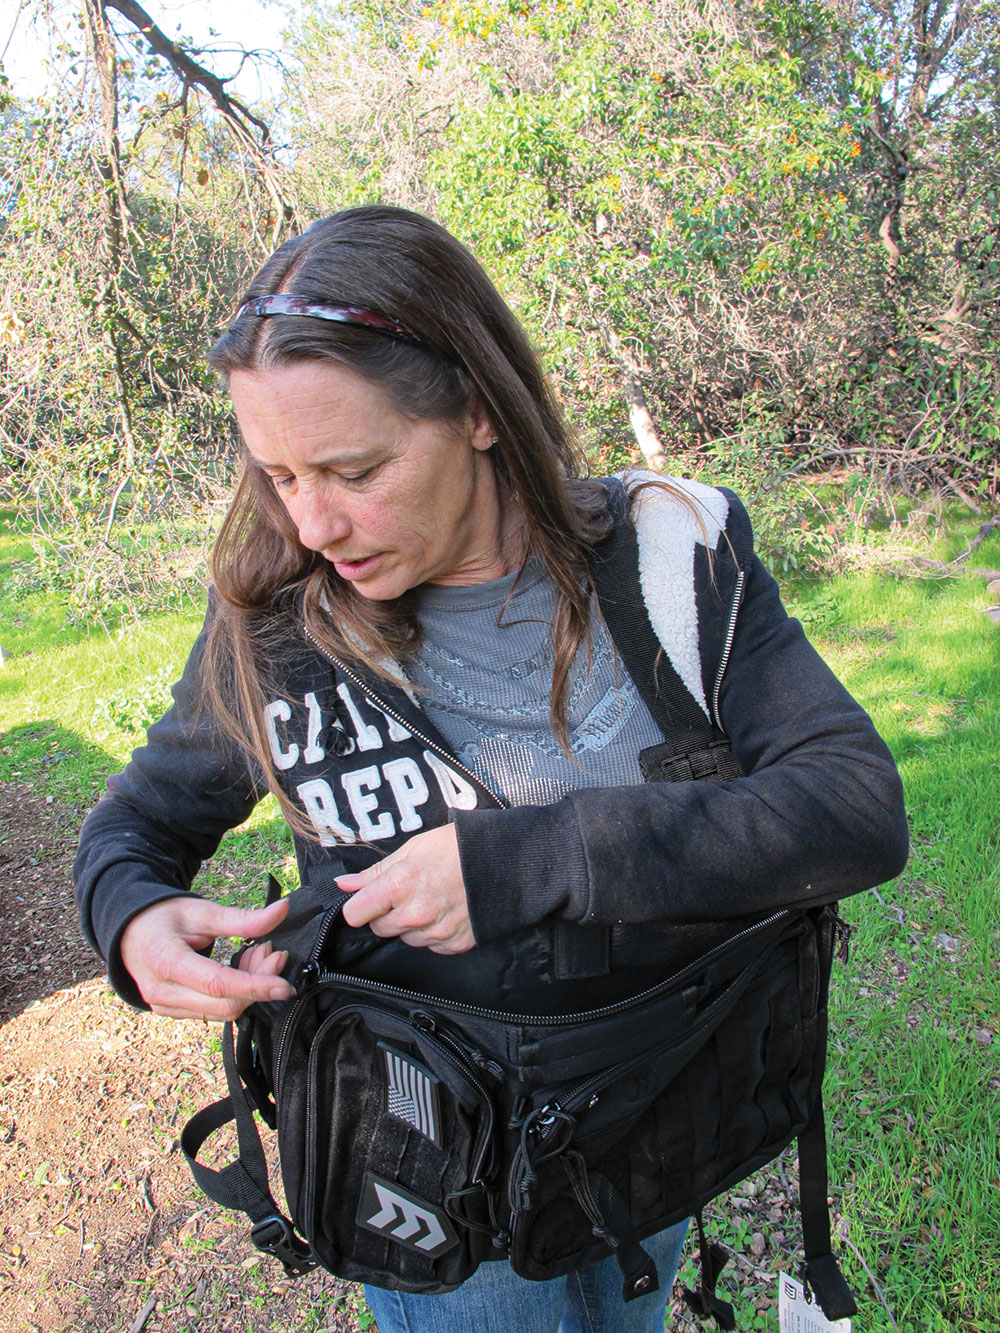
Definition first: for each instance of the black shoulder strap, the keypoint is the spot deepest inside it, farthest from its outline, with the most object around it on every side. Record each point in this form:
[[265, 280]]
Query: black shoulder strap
[[695, 748], [692, 748], [243, 1183]]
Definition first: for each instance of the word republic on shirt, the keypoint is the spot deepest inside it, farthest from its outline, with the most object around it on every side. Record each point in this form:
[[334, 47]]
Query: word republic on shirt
[[379, 794]]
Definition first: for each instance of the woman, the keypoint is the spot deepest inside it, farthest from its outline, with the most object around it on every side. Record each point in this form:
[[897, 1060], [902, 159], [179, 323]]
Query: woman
[[404, 646]]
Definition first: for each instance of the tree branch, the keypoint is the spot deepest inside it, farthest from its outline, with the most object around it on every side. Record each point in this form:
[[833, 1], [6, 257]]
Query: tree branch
[[250, 132], [114, 209]]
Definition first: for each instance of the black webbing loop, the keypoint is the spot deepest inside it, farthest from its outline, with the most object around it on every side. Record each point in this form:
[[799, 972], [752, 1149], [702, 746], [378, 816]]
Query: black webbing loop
[[322, 877], [255, 1081], [596, 1193], [714, 761], [580, 951], [821, 1272], [243, 1183], [704, 1302]]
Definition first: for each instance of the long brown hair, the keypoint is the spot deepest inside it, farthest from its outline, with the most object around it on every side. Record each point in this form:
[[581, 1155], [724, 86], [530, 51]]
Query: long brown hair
[[467, 348]]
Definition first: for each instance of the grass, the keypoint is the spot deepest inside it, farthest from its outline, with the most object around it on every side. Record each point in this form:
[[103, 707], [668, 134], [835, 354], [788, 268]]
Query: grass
[[913, 1086]]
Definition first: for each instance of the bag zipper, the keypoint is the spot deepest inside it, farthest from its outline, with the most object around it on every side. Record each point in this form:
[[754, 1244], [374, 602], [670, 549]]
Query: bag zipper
[[570, 1101], [454, 1050], [395, 714], [455, 1054], [539, 1020], [309, 972], [310, 978], [467, 1054]]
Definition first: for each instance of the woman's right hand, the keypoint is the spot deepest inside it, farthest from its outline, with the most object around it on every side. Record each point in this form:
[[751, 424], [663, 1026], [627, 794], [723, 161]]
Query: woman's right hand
[[159, 948]]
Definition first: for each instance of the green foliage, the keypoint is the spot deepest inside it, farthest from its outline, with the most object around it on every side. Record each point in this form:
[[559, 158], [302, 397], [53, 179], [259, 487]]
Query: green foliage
[[607, 192], [73, 705], [699, 200], [790, 534], [120, 260], [353, 1304], [912, 1088], [774, 227]]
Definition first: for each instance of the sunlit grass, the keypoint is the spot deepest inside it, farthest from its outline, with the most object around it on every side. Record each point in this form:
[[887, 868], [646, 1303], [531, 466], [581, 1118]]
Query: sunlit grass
[[914, 1085]]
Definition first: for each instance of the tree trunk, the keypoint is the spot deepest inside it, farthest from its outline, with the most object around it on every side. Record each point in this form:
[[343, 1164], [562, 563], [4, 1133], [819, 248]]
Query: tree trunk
[[635, 398]]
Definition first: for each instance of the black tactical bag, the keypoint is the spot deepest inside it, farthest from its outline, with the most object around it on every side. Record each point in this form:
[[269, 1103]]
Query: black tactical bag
[[419, 1137]]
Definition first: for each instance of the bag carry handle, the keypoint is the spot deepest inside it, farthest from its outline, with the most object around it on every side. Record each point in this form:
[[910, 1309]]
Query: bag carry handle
[[243, 1183]]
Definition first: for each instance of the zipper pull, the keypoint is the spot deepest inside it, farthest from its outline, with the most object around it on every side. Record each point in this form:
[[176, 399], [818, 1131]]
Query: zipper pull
[[518, 1112], [308, 975], [473, 1055], [487, 1066], [422, 1020]]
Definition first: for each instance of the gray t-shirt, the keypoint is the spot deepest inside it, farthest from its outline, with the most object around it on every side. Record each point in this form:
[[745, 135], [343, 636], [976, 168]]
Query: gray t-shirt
[[486, 686]]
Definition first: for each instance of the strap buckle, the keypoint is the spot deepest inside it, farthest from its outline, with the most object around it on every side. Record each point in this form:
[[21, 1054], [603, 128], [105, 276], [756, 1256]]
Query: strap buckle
[[823, 1280], [275, 1235]]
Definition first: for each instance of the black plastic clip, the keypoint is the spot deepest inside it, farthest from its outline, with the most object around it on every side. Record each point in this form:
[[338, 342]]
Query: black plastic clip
[[275, 1235], [843, 931]]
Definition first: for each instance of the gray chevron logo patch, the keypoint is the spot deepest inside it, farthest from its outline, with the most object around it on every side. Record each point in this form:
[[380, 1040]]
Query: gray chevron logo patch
[[394, 1212]]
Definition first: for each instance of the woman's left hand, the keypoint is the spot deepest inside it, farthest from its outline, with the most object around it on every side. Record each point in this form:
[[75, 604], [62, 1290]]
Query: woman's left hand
[[416, 892]]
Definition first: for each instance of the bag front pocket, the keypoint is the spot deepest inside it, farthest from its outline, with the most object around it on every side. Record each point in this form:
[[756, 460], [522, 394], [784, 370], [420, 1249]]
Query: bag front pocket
[[666, 1131], [395, 1150]]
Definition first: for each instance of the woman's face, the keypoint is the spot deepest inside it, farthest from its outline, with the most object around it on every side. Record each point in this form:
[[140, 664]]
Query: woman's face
[[391, 502]]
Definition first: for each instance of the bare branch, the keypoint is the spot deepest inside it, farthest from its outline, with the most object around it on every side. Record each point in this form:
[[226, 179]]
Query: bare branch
[[249, 131]]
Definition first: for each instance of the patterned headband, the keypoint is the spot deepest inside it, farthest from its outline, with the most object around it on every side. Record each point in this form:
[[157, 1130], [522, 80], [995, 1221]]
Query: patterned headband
[[283, 304]]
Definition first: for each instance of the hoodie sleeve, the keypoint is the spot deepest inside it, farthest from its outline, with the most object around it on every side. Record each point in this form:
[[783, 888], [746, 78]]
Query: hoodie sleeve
[[159, 820], [819, 814]]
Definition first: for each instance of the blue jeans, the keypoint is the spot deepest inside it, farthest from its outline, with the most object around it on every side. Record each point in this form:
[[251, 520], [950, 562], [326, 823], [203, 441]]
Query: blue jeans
[[496, 1300]]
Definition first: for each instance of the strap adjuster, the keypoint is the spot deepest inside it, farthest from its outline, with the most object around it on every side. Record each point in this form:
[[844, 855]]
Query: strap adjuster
[[275, 1235]]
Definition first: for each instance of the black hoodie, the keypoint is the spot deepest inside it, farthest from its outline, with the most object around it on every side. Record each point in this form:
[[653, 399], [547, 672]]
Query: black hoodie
[[818, 815]]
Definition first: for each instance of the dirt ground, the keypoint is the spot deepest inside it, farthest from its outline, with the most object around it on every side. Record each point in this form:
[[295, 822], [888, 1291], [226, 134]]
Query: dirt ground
[[101, 1226]]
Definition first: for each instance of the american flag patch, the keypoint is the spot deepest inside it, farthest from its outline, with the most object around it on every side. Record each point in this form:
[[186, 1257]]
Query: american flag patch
[[411, 1093]]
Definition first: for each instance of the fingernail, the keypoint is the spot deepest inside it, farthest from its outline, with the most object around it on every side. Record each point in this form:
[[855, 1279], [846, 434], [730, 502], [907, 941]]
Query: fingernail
[[282, 992]]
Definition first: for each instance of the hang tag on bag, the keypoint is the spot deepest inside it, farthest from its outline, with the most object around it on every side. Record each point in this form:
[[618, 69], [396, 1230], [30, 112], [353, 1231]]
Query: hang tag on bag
[[797, 1315]]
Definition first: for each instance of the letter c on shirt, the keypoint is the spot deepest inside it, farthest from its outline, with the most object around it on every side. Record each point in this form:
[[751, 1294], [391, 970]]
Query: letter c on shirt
[[282, 758]]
